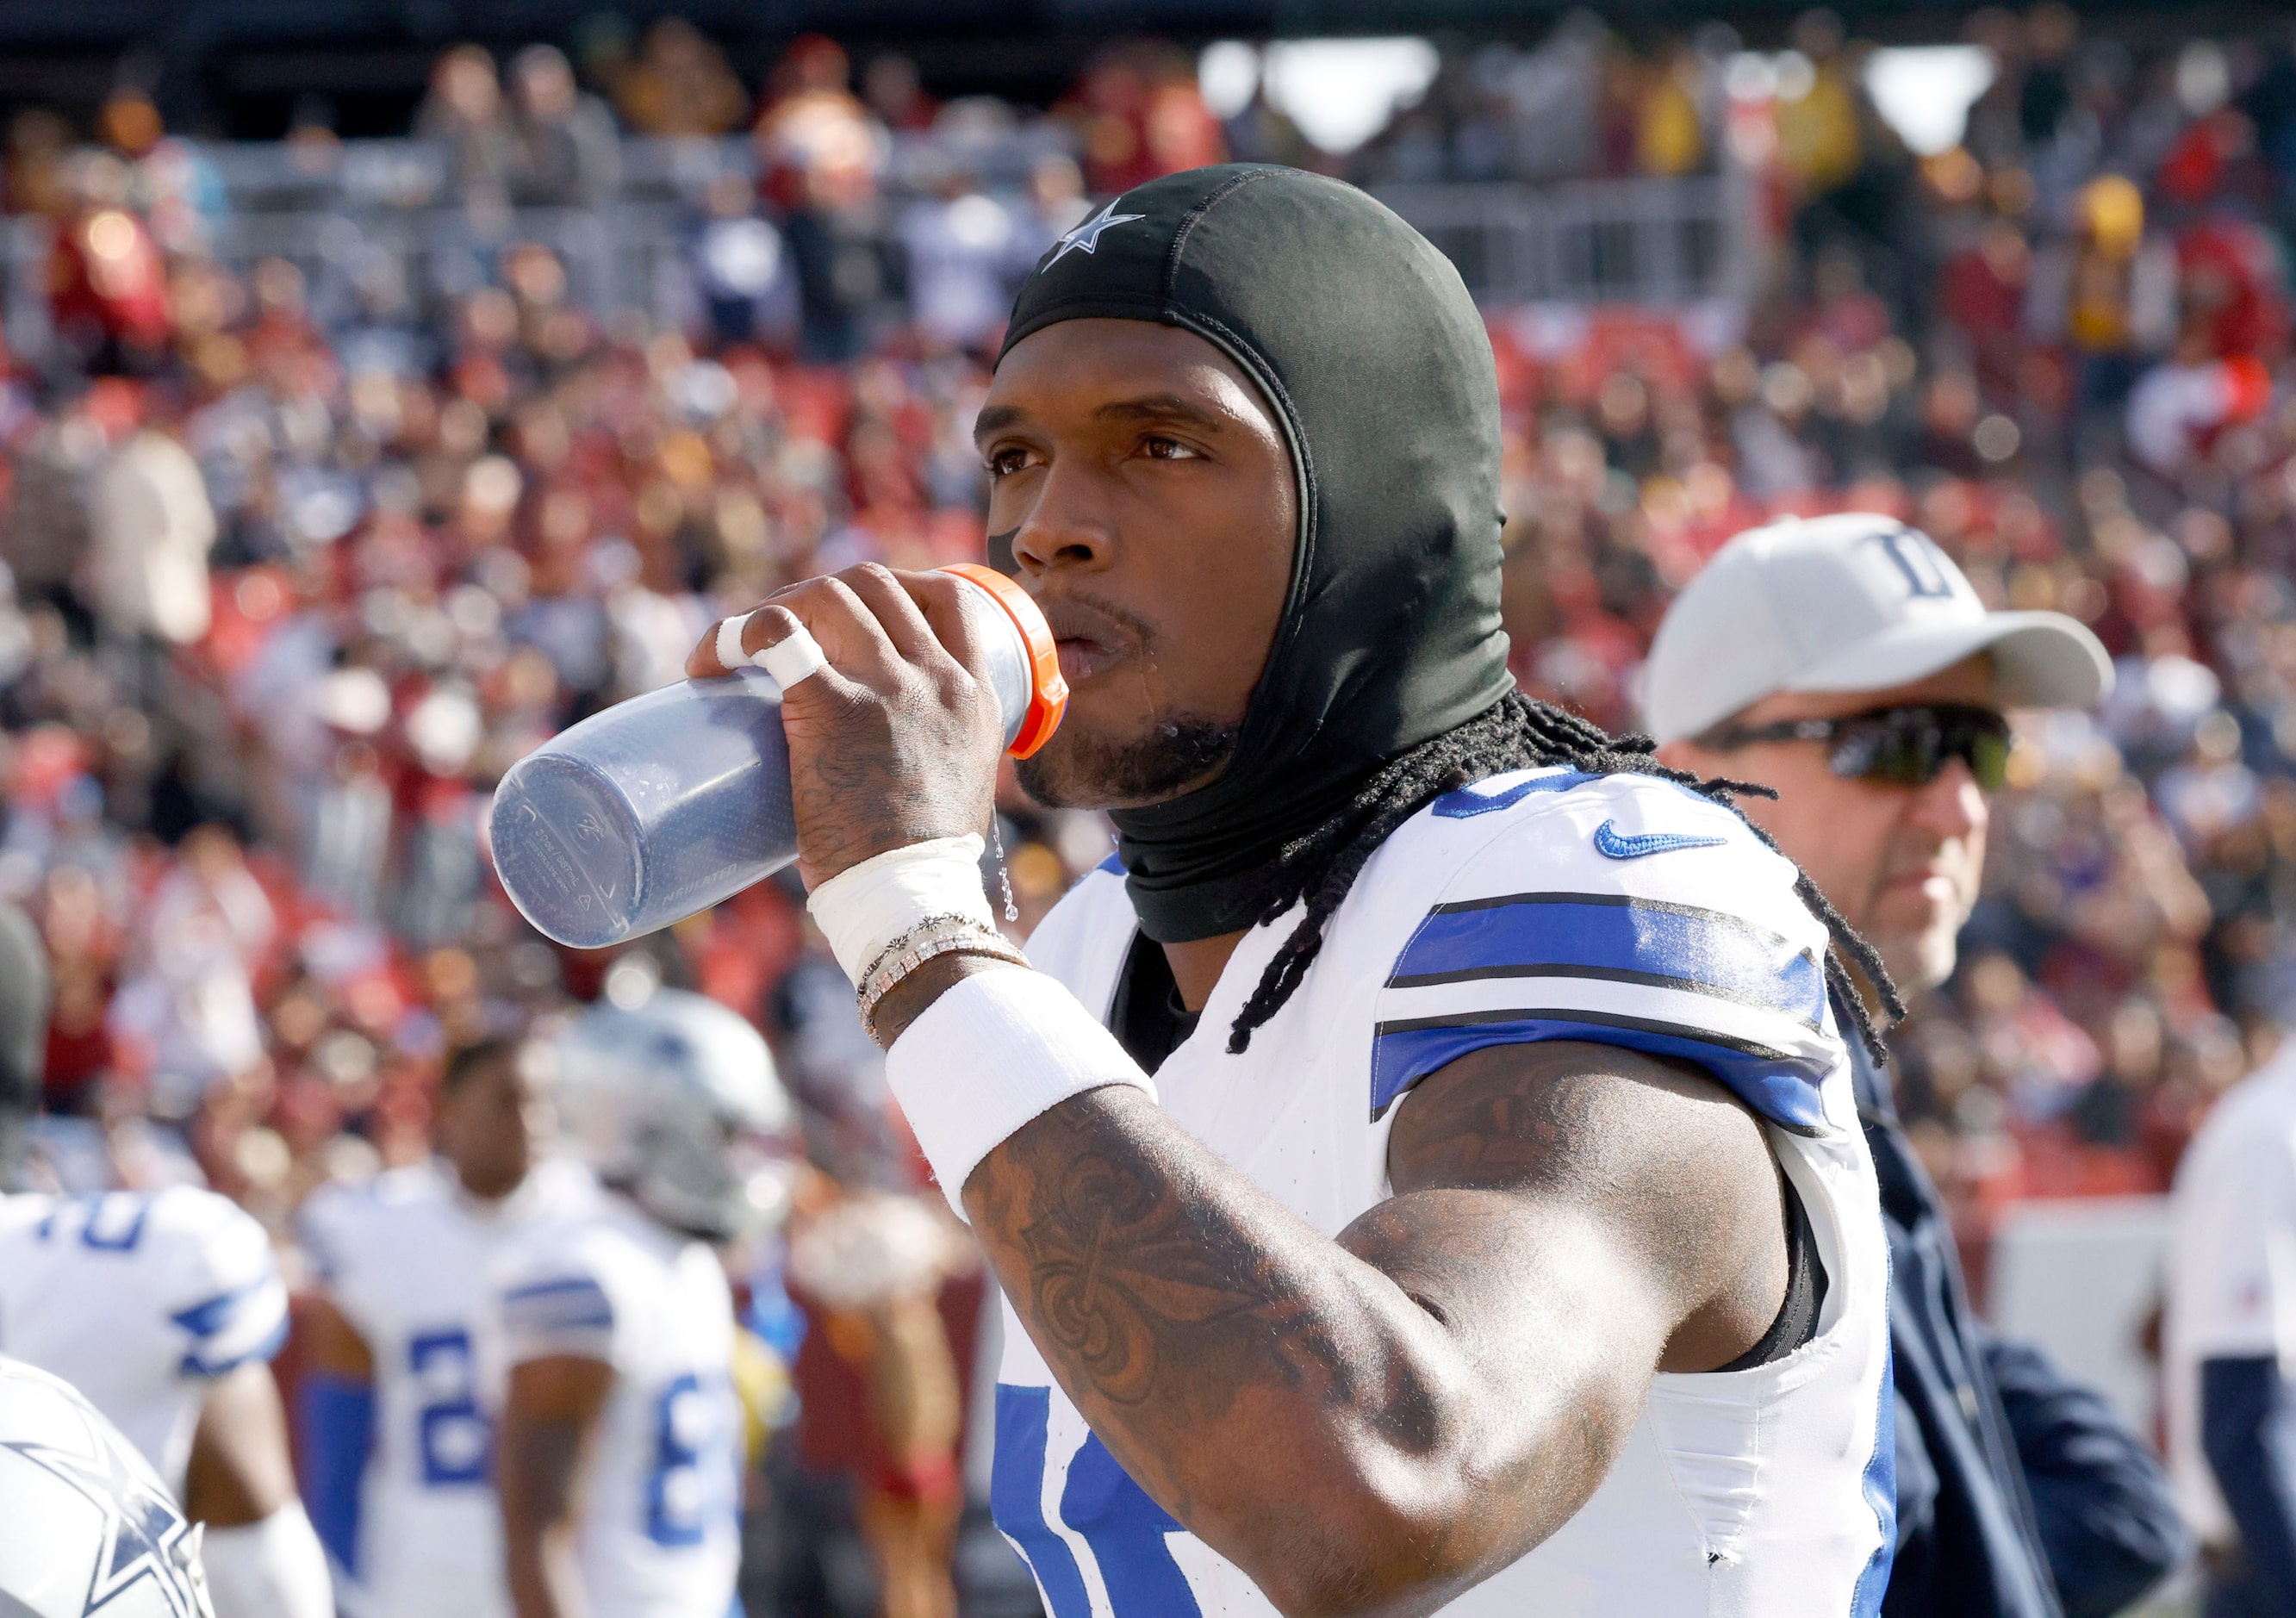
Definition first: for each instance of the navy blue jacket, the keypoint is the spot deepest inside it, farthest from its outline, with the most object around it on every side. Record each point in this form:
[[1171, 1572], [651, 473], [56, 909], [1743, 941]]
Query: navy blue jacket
[[2012, 1484], [2248, 1431]]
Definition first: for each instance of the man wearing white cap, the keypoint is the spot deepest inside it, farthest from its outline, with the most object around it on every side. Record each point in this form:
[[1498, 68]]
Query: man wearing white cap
[[1846, 662]]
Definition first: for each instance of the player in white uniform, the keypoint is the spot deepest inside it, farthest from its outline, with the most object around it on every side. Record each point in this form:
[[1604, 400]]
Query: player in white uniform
[[1727, 1494], [165, 1308], [619, 1454], [1495, 1232], [398, 1455], [2230, 1341]]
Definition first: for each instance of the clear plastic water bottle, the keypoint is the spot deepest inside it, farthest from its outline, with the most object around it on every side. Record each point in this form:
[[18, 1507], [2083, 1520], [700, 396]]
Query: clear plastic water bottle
[[662, 806]]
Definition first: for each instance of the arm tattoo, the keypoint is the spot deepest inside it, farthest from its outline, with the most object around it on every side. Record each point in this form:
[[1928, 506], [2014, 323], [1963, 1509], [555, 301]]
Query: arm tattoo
[[1421, 1399], [1130, 1275], [1498, 1136], [1166, 1294]]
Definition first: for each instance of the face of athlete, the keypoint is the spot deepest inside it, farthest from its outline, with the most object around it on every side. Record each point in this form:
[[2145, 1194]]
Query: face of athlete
[[494, 1125], [1150, 498], [1901, 863]]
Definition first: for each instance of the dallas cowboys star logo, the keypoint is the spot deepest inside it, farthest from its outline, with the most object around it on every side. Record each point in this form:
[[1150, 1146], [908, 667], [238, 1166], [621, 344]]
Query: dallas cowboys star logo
[[143, 1535], [1086, 237]]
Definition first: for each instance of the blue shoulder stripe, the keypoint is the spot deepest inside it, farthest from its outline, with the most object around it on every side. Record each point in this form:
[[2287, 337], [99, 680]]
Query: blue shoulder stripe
[[1486, 797], [265, 1348], [1614, 938], [564, 1284], [219, 1313], [574, 1302], [1777, 1085], [220, 1326]]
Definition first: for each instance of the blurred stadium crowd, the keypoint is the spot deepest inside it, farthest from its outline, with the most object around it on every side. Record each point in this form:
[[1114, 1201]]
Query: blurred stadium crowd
[[296, 571]]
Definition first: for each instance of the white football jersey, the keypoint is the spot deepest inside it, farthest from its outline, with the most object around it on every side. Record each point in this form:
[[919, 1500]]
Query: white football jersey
[[659, 1532], [2231, 1266], [140, 1299], [407, 1259], [1537, 905]]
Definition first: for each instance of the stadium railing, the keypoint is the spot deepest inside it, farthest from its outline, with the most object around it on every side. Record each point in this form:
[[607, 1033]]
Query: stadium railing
[[334, 209], [1653, 243]]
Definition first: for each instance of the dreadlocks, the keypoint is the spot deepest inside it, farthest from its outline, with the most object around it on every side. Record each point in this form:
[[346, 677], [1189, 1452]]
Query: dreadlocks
[[1513, 732]]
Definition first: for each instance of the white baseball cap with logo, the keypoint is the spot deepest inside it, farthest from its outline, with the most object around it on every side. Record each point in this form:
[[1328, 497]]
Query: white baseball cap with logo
[[1855, 601]]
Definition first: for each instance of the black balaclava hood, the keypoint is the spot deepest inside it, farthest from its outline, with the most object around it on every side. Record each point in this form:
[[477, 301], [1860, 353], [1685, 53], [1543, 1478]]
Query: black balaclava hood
[[1364, 341]]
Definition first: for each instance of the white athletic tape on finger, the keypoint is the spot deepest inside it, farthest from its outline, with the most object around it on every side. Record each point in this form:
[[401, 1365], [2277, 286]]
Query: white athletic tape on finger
[[797, 657], [989, 1055], [730, 653], [793, 660], [865, 907]]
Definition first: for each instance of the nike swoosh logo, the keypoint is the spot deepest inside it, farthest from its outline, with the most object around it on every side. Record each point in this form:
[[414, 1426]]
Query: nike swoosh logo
[[1614, 844]]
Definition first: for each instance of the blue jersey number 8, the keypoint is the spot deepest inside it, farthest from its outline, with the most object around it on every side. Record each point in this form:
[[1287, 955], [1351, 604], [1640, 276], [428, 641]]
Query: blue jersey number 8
[[1119, 1522], [695, 1475], [450, 1435]]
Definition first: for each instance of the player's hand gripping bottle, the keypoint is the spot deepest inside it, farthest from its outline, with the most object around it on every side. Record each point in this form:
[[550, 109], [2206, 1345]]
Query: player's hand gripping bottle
[[662, 806]]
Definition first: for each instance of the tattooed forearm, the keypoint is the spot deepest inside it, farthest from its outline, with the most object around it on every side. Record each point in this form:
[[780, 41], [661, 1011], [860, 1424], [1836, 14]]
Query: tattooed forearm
[[1157, 1286], [1244, 1369], [1368, 1423]]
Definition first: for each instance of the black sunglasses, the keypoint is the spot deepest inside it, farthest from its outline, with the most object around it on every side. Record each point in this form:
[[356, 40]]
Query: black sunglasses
[[1904, 746]]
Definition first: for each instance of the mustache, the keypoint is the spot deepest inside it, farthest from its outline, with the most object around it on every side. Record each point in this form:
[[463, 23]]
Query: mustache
[[1080, 615]]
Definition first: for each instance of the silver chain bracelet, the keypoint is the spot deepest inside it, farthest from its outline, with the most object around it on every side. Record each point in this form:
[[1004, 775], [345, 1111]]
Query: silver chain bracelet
[[936, 935]]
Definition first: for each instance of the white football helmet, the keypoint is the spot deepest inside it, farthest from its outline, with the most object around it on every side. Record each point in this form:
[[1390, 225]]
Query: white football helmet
[[89, 1526], [675, 1101]]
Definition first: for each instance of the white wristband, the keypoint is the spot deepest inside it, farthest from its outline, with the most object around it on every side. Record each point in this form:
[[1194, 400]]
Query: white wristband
[[795, 657], [989, 1055], [865, 907], [271, 1568]]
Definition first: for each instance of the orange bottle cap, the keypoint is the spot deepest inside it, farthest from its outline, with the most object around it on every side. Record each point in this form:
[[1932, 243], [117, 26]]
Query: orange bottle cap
[[1048, 693]]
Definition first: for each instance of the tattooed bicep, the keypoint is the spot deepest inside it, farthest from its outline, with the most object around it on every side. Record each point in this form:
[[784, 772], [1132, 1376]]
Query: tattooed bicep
[[1546, 1114]]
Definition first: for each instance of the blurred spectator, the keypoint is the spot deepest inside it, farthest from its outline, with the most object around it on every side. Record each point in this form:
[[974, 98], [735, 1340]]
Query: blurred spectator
[[2179, 406], [1820, 141], [174, 187], [965, 251], [566, 151], [896, 94], [2108, 292], [184, 1019], [740, 267], [1139, 115], [820, 154], [37, 141], [679, 85], [1670, 133], [25, 1001], [465, 114], [151, 528], [1056, 203], [47, 532], [107, 281], [813, 127], [1546, 99], [875, 1267]]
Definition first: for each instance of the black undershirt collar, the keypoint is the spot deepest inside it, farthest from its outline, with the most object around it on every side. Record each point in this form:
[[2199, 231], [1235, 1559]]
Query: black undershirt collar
[[1148, 1017]]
